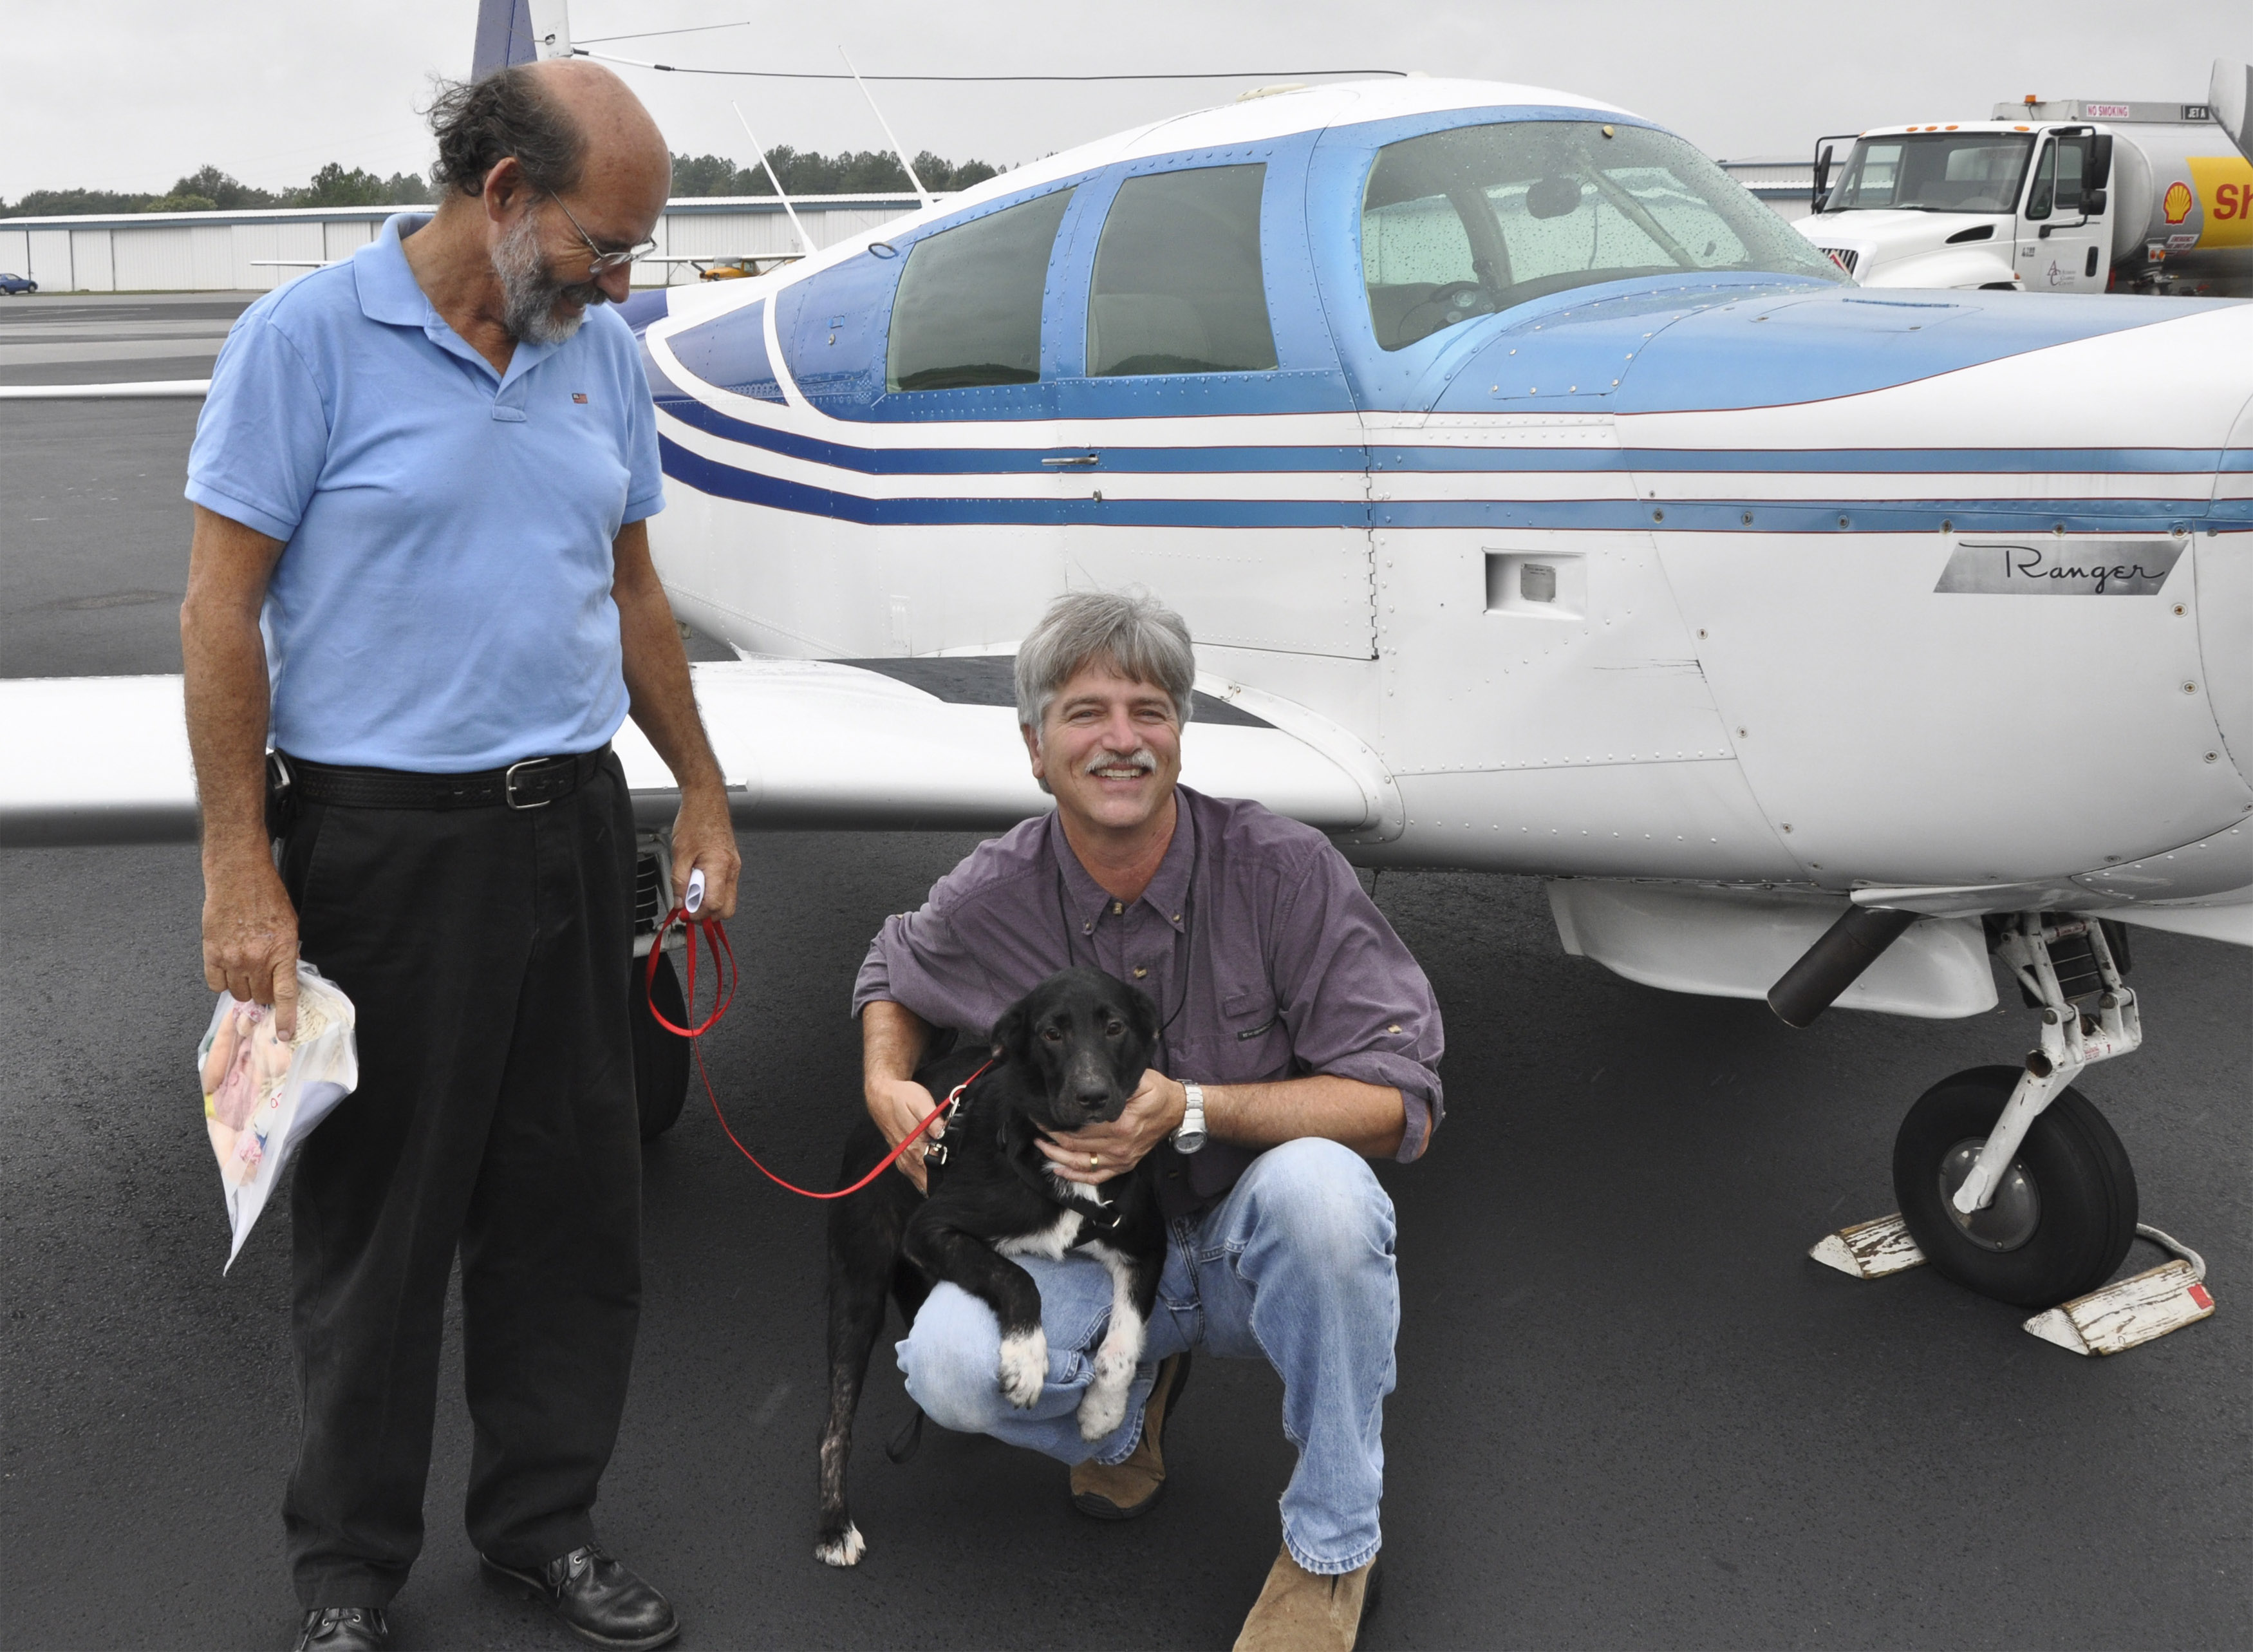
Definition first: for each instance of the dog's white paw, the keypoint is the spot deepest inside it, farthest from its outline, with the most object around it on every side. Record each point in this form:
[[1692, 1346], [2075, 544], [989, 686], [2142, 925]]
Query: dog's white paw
[[1101, 1411], [846, 1551], [1104, 1406], [1024, 1367]]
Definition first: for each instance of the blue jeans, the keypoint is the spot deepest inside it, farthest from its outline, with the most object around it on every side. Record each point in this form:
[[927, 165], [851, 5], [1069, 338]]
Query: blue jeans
[[1294, 1264]]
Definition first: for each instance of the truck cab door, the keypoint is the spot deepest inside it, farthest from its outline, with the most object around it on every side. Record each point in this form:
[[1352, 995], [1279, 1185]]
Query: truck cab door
[[2063, 246]]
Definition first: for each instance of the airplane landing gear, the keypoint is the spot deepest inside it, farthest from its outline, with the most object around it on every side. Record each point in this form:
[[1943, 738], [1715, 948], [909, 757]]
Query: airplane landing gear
[[2013, 1185], [2058, 1220]]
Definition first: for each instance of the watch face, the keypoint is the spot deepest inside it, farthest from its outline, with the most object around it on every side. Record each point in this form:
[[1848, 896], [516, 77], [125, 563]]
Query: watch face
[[1187, 1140]]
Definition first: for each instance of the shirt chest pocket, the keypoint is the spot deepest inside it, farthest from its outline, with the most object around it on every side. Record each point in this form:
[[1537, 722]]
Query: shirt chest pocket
[[1250, 1015], [1250, 1045]]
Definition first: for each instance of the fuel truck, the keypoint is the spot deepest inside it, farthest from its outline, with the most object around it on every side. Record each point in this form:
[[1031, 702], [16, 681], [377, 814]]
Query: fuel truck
[[2078, 195]]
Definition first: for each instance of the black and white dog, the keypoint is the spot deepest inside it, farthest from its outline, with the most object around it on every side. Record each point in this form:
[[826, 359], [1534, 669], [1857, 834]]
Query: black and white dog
[[1067, 1054]]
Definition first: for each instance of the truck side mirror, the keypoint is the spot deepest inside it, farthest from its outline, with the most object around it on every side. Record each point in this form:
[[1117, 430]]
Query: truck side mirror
[[1822, 189], [2100, 167], [2092, 203]]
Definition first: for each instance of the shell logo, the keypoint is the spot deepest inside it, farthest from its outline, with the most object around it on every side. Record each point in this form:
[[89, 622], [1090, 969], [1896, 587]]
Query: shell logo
[[2178, 202]]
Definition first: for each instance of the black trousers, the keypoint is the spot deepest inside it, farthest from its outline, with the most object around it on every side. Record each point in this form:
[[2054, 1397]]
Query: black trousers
[[487, 952]]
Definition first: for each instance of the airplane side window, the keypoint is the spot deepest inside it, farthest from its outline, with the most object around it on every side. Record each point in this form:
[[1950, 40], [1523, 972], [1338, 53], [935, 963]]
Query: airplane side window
[[1475, 218], [969, 306], [1177, 285]]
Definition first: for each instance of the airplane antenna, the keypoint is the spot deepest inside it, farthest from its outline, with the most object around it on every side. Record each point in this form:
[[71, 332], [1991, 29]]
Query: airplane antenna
[[922, 194], [805, 242]]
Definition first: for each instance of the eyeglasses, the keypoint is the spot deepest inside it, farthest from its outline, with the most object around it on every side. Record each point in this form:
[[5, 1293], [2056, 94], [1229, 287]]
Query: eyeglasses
[[597, 260]]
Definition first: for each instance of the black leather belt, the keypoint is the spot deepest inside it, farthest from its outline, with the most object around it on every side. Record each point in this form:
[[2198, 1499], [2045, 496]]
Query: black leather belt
[[533, 783]]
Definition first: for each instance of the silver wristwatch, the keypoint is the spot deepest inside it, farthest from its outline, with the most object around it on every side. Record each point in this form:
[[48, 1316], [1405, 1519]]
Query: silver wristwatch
[[1188, 1136]]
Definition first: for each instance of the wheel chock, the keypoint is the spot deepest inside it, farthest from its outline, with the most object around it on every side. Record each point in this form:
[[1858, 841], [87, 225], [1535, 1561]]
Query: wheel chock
[[1870, 1250], [2135, 1310]]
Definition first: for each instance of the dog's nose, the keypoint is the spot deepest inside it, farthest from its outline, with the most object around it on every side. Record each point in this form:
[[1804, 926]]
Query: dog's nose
[[1093, 1098]]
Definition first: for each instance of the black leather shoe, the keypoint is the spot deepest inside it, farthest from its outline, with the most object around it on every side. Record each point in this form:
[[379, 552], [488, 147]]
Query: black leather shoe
[[597, 1598], [344, 1629]]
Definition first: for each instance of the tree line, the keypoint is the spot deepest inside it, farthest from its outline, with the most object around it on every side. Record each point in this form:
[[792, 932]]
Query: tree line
[[207, 189], [811, 172], [802, 171]]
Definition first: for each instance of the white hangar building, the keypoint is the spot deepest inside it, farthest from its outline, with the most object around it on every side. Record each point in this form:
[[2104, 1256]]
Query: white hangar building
[[241, 251]]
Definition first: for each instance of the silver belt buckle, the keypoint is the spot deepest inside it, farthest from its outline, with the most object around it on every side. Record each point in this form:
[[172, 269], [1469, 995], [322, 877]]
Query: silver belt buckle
[[509, 785]]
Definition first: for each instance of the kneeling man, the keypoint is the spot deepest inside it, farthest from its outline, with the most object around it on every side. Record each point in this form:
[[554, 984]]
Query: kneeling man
[[1298, 1037]]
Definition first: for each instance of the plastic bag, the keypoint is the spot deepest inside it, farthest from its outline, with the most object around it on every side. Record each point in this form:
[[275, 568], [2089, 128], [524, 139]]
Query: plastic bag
[[261, 1097]]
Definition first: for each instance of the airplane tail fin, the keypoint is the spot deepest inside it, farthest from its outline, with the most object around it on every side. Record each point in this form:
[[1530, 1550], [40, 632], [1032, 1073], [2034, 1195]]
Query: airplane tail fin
[[511, 31]]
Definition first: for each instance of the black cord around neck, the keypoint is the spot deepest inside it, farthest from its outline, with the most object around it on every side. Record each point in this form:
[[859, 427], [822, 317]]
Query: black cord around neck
[[1188, 924]]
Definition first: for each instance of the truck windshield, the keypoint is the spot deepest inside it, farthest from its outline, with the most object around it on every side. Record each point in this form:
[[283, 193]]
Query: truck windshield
[[1475, 218], [1934, 173]]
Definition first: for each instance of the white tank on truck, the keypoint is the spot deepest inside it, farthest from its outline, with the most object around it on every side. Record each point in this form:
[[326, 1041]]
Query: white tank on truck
[[2081, 195]]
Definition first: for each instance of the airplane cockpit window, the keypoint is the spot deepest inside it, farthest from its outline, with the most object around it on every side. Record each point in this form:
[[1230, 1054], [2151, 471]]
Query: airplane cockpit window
[[1477, 219], [1933, 172], [1177, 285], [969, 306]]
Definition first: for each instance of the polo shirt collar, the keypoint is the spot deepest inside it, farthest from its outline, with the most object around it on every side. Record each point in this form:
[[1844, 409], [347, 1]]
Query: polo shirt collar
[[389, 293], [1088, 901], [387, 289]]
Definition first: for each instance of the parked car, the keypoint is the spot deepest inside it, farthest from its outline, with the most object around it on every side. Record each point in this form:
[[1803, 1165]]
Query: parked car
[[13, 284]]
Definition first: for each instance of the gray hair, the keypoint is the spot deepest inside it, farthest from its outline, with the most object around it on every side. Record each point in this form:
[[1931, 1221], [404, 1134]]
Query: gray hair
[[1130, 631], [480, 124]]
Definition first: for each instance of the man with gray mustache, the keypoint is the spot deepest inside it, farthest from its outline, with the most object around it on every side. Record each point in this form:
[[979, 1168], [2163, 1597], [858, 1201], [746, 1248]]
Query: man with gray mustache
[[1298, 1039], [421, 568]]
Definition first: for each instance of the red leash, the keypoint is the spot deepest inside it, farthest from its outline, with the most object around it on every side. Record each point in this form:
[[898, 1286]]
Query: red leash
[[726, 976]]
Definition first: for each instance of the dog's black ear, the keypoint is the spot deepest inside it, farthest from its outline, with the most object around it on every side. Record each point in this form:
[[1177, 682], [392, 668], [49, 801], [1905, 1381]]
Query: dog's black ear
[[1010, 1033], [1142, 1015]]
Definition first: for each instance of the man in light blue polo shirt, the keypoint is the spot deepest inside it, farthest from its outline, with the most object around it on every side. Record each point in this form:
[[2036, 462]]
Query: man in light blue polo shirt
[[420, 570]]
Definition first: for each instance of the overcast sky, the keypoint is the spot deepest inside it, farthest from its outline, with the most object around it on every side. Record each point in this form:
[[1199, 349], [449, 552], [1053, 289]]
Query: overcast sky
[[128, 94]]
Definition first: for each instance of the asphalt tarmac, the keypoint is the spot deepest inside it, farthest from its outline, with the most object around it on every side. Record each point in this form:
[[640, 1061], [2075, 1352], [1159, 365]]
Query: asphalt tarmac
[[1631, 1414]]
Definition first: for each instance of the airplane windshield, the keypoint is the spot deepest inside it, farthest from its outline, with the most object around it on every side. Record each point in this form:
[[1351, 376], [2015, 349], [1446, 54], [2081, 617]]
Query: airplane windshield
[[1468, 221], [1934, 173]]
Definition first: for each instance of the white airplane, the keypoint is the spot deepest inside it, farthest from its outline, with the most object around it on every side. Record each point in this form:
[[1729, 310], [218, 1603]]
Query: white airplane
[[1541, 503]]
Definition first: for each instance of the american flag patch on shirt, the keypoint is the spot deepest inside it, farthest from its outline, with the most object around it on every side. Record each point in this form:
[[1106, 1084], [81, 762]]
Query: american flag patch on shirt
[[579, 396]]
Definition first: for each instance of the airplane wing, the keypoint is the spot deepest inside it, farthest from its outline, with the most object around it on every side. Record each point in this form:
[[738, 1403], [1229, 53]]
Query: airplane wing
[[901, 744], [127, 390]]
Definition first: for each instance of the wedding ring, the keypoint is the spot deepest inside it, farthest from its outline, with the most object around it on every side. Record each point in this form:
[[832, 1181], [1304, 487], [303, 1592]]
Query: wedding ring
[[1093, 1160]]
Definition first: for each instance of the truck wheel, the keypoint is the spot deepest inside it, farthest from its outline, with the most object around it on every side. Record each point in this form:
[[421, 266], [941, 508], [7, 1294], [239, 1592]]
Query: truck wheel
[[660, 1058], [2062, 1218]]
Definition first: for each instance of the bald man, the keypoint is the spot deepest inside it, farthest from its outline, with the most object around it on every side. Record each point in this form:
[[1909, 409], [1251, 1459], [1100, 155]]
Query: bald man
[[421, 573]]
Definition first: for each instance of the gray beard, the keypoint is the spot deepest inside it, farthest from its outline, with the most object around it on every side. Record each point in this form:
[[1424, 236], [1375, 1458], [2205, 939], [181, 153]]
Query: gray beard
[[530, 291]]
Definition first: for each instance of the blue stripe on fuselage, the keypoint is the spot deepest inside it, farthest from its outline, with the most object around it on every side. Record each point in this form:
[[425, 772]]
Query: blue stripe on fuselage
[[1269, 460], [999, 460], [1793, 516]]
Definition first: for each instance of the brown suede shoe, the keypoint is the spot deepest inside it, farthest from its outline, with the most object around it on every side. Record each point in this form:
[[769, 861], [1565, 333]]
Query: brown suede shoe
[[1126, 1489], [1299, 1612]]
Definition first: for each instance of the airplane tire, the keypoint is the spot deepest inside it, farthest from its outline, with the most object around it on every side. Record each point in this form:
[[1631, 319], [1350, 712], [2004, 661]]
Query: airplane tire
[[660, 1058], [2064, 1217]]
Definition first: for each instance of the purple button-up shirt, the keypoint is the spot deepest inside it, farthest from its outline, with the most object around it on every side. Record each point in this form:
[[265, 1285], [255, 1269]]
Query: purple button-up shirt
[[1255, 939]]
